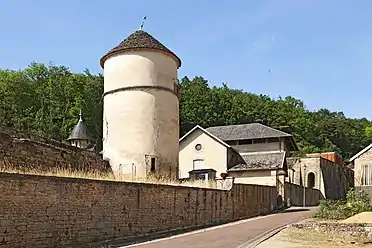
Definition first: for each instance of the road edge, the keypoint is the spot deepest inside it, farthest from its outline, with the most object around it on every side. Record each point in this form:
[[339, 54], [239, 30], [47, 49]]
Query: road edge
[[133, 241], [263, 237], [267, 235]]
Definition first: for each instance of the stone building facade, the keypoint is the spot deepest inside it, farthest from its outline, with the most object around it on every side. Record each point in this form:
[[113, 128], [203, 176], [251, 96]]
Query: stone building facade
[[316, 172], [361, 164]]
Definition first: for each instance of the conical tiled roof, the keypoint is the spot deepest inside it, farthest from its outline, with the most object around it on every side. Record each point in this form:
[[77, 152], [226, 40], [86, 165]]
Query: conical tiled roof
[[139, 40], [80, 131]]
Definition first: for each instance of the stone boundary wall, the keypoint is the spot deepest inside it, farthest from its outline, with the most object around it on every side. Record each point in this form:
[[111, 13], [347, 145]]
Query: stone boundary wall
[[41, 211], [22, 152], [352, 229], [295, 193], [334, 180]]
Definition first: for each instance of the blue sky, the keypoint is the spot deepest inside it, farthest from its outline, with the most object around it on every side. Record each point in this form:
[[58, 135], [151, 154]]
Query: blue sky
[[318, 51]]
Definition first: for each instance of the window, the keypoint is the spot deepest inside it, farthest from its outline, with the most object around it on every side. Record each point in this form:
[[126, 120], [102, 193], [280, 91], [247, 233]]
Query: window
[[245, 142], [366, 177], [152, 164], [311, 180], [259, 141], [231, 142], [201, 176], [272, 140], [120, 169], [198, 147], [198, 164]]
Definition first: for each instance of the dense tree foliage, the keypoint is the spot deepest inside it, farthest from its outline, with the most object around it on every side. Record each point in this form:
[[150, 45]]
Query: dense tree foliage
[[45, 100]]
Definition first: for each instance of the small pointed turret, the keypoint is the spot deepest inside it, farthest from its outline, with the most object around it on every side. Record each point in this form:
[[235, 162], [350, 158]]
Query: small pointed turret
[[80, 136]]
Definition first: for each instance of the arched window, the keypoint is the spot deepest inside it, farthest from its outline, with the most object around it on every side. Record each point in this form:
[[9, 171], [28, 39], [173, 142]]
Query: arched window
[[311, 180]]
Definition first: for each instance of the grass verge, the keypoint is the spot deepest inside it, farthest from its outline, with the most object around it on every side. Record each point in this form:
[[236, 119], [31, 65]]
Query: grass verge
[[320, 239]]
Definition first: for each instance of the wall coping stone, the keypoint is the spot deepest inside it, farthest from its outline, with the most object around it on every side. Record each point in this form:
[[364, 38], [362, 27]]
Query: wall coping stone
[[23, 137], [103, 181]]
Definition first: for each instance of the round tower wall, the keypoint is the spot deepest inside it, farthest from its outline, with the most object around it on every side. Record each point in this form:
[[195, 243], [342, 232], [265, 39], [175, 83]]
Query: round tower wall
[[141, 114]]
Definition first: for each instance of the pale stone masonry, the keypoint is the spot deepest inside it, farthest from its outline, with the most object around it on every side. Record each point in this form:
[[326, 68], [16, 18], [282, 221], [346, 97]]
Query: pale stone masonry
[[362, 166], [318, 173], [46, 212], [141, 108], [365, 159], [22, 152]]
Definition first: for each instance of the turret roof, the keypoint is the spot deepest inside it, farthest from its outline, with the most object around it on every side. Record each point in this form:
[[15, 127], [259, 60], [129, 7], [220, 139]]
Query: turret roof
[[139, 40], [80, 131]]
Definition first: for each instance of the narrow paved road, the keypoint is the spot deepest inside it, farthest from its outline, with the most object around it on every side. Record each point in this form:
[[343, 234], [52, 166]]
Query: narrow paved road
[[230, 235]]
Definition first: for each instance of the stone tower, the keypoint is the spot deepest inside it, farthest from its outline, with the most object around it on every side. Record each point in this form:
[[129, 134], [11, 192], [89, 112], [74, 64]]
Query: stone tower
[[141, 108]]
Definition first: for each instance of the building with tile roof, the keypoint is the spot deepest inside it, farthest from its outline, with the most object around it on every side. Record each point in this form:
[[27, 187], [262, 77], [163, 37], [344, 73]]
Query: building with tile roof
[[261, 168], [254, 133], [261, 161], [251, 153]]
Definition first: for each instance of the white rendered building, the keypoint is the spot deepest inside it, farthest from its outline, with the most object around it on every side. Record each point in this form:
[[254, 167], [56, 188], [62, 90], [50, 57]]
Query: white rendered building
[[141, 107]]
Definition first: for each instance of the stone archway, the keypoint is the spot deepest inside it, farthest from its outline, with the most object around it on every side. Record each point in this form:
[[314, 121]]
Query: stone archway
[[311, 180]]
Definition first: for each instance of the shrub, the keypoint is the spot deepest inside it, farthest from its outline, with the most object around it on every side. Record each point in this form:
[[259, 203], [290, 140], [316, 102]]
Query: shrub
[[337, 209], [330, 209]]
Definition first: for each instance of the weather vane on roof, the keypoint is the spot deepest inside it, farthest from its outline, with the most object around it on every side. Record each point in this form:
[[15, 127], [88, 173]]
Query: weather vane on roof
[[142, 22]]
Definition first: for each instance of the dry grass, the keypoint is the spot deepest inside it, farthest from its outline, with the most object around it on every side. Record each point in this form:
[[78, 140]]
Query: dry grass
[[314, 238], [316, 221], [110, 177]]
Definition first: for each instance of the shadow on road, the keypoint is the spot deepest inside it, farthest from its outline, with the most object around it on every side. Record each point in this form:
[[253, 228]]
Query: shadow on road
[[296, 210], [120, 242]]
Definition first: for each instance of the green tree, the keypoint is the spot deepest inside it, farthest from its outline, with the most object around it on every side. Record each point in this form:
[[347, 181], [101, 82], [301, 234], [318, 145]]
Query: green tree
[[46, 99]]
